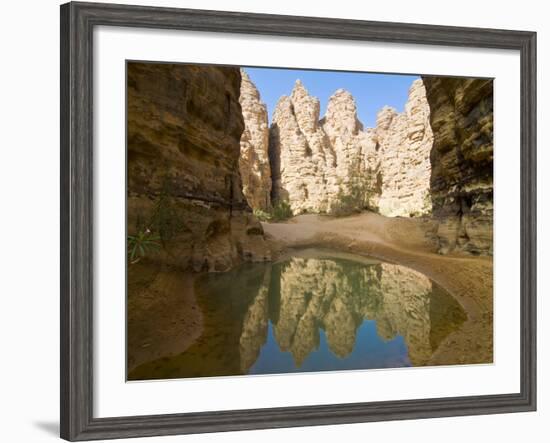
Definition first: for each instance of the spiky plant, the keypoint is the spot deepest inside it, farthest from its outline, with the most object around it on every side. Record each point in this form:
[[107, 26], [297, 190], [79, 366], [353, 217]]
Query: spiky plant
[[141, 244]]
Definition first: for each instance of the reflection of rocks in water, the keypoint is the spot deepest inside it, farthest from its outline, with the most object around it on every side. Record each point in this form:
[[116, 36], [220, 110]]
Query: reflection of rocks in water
[[316, 294], [254, 332], [405, 310], [337, 296], [417, 309], [300, 298]]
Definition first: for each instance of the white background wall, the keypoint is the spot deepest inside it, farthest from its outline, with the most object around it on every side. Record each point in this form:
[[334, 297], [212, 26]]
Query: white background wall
[[29, 188]]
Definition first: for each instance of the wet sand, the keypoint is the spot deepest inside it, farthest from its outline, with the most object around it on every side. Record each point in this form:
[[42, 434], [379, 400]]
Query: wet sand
[[407, 242]]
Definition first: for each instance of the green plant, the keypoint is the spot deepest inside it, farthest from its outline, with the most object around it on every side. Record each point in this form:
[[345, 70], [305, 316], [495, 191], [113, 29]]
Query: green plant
[[141, 244], [281, 211], [353, 197], [262, 215], [163, 223], [165, 218], [427, 201]]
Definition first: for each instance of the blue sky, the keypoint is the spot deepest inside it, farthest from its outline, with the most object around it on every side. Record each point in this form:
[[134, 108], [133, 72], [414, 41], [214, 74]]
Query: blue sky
[[371, 91]]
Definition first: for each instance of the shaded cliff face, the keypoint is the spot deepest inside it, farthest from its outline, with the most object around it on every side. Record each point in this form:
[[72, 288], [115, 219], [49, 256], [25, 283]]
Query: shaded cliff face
[[333, 165], [462, 162], [184, 130], [254, 160]]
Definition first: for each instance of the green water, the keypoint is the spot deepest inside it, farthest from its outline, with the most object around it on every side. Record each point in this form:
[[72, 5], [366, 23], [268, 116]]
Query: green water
[[314, 311]]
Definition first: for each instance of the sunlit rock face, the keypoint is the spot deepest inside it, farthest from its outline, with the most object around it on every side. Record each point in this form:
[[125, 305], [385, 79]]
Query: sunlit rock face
[[311, 159], [323, 165], [404, 142], [254, 160], [462, 162], [436, 157], [184, 130]]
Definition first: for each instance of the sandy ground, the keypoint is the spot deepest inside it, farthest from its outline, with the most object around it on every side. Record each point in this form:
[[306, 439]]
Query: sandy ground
[[407, 242]]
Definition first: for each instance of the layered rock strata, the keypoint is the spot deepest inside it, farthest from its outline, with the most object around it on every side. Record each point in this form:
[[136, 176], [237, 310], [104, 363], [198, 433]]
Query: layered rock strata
[[184, 130], [333, 164], [254, 159], [462, 162]]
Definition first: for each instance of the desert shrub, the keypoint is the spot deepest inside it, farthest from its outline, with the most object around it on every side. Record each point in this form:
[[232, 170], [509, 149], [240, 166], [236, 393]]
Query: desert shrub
[[141, 244], [262, 215], [427, 201], [281, 211], [353, 197], [165, 222], [166, 219], [346, 204]]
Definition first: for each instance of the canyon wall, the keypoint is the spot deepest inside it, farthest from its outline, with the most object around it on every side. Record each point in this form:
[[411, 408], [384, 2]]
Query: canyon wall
[[313, 160], [254, 160], [462, 162], [405, 141], [305, 165], [184, 131], [334, 165]]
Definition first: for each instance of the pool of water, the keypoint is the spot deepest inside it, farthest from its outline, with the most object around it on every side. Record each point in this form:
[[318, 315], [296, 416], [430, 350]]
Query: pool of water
[[313, 311]]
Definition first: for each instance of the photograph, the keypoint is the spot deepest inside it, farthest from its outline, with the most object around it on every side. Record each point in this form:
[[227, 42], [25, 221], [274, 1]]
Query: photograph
[[243, 222], [283, 220]]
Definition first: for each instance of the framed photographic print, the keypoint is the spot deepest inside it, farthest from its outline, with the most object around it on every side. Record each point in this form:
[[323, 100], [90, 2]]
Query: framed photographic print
[[272, 221]]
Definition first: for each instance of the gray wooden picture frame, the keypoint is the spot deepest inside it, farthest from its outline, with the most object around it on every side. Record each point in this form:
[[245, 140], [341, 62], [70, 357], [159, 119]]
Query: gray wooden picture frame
[[77, 24]]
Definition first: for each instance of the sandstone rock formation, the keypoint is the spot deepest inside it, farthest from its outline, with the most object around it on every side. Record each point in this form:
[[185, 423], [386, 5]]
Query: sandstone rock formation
[[404, 143], [311, 158], [462, 162], [333, 164], [184, 130], [254, 159]]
